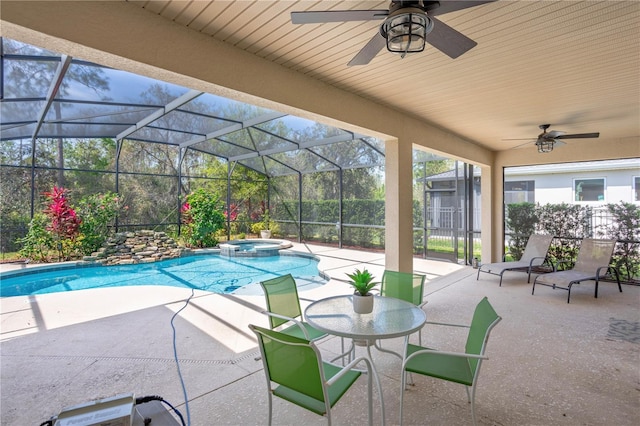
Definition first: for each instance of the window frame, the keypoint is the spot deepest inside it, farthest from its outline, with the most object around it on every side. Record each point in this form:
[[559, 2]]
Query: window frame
[[529, 192], [574, 193]]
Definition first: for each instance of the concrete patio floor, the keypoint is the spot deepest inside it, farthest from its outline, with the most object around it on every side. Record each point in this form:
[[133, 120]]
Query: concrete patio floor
[[550, 363]]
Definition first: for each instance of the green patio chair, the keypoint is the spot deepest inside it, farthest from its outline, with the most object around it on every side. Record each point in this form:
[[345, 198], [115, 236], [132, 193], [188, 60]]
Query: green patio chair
[[458, 367], [296, 373], [283, 308], [405, 286]]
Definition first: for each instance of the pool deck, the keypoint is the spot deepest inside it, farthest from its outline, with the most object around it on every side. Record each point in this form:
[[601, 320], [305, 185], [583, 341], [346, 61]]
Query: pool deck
[[550, 363]]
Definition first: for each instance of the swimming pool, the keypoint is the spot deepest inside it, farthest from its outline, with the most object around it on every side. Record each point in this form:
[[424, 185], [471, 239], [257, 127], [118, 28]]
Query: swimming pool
[[208, 272]]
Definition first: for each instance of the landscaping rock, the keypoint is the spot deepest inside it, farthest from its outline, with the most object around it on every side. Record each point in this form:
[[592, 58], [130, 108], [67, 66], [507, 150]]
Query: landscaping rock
[[145, 246]]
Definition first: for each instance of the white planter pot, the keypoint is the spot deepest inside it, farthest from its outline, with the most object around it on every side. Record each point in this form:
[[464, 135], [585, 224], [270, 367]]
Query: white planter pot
[[265, 233], [362, 304]]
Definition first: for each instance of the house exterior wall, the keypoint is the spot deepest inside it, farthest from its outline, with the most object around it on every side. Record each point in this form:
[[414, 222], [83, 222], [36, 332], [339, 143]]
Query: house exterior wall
[[551, 184], [557, 184]]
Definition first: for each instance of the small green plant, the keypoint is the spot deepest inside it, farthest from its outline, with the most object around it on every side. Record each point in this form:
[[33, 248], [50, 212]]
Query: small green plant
[[257, 227], [265, 223], [362, 281]]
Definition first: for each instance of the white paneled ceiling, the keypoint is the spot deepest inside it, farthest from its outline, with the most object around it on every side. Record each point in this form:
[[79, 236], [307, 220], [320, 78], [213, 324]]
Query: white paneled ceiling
[[574, 64]]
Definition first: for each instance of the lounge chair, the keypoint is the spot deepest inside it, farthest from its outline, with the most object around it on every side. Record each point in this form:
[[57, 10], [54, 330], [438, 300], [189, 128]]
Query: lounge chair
[[592, 264], [534, 255]]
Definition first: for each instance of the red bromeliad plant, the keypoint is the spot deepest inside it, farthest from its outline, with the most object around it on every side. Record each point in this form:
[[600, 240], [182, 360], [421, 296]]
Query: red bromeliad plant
[[185, 212], [257, 215], [65, 224], [233, 209]]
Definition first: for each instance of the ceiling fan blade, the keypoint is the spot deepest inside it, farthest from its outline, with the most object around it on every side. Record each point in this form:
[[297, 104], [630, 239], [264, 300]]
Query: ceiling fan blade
[[369, 51], [319, 17], [580, 136], [522, 145], [553, 134], [449, 41], [452, 6]]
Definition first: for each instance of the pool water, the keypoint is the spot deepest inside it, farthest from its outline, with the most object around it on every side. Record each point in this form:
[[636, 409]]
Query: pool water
[[204, 272]]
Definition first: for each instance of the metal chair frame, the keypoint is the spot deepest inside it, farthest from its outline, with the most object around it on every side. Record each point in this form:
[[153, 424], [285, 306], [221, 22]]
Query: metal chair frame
[[458, 367], [283, 308], [594, 257], [534, 255], [300, 376]]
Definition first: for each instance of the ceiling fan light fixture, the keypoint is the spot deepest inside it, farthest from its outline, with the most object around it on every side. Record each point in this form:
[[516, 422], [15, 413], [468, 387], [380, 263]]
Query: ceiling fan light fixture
[[405, 30], [545, 145]]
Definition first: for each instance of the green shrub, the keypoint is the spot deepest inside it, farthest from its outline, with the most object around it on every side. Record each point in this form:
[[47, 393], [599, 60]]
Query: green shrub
[[97, 211], [521, 220], [202, 216], [569, 224], [625, 228], [38, 242]]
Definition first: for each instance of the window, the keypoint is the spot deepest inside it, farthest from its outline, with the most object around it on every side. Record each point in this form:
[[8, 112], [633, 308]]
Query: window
[[589, 189], [521, 191], [636, 188]]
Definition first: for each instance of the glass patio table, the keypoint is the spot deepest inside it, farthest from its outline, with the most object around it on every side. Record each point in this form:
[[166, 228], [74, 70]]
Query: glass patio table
[[390, 318]]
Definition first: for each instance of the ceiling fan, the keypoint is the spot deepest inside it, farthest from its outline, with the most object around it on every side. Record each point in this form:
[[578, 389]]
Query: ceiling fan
[[407, 26], [547, 140]]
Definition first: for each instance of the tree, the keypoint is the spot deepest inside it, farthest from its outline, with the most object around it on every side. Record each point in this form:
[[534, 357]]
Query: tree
[[89, 160], [24, 80]]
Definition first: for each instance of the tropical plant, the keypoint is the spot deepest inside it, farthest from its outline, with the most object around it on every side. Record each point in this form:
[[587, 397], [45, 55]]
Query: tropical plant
[[64, 222], [362, 281], [202, 216]]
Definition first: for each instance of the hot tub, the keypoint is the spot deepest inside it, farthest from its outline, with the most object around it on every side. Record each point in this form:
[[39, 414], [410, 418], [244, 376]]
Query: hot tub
[[253, 248]]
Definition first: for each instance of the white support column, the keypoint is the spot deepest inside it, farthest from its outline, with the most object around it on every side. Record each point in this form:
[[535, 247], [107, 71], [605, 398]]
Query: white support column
[[490, 220], [398, 206]]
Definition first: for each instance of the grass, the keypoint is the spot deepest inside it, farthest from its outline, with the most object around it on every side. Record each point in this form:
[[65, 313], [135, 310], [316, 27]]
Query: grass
[[445, 246], [10, 257]]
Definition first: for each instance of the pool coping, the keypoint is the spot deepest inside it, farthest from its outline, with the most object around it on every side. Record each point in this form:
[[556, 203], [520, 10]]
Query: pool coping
[[29, 269]]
